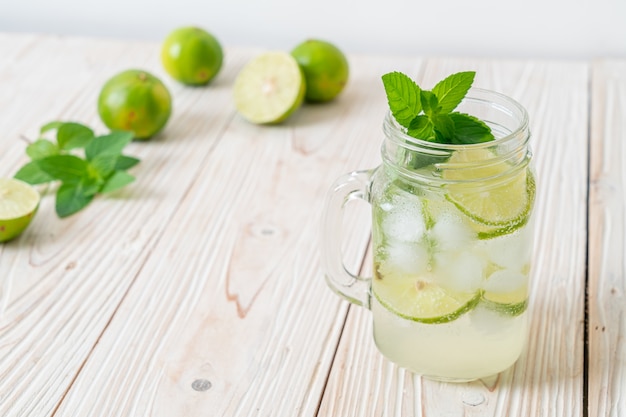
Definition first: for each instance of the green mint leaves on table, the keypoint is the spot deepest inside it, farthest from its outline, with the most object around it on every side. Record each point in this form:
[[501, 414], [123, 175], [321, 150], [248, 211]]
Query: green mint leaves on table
[[429, 115], [102, 170]]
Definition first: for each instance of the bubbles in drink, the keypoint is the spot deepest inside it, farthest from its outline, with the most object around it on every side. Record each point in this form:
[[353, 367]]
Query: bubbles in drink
[[459, 271], [403, 218], [448, 275], [406, 258], [451, 233], [510, 251], [491, 323], [506, 281]]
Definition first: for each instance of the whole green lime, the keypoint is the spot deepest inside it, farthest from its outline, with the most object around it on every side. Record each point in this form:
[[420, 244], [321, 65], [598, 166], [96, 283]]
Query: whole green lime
[[135, 100], [325, 68], [191, 55]]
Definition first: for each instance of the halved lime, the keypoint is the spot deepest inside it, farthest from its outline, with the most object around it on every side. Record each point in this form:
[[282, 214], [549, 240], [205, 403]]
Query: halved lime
[[422, 300], [497, 200], [18, 203], [269, 88]]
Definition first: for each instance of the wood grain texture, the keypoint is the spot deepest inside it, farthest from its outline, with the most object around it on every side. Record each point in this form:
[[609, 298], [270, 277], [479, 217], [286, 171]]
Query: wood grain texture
[[548, 378], [64, 279], [234, 296], [197, 290], [229, 294], [607, 234]]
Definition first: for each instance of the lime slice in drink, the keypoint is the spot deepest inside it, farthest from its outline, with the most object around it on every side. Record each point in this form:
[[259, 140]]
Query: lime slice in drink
[[506, 292], [18, 203], [497, 201], [421, 300], [508, 309], [269, 88]]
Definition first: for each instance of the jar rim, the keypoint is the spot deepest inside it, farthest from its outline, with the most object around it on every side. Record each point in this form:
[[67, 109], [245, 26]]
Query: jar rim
[[498, 100]]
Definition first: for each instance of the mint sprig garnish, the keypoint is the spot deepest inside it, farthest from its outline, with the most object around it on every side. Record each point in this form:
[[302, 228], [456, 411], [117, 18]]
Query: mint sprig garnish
[[85, 164], [429, 115], [404, 97]]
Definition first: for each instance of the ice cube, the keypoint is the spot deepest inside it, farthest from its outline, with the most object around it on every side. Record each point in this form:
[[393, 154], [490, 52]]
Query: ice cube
[[386, 206], [451, 233], [489, 322], [459, 271], [404, 219], [511, 251], [505, 281], [406, 258]]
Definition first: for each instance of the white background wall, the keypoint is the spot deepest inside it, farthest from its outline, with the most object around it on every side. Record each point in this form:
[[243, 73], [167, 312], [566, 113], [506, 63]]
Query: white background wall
[[497, 28]]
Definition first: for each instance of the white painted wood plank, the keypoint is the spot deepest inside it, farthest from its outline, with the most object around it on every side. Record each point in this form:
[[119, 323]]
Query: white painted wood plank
[[216, 266], [232, 295], [607, 234], [62, 280], [548, 379]]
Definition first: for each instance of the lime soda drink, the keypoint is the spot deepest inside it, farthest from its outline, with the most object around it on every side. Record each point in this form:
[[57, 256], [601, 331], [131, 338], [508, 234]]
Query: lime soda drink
[[451, 268], [452, 235]]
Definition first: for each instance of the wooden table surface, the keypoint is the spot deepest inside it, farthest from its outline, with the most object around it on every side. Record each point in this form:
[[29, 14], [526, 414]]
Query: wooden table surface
[[197, 290]]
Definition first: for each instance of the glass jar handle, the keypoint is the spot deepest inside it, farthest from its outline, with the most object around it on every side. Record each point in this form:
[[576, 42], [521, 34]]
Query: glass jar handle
[[353, 288]]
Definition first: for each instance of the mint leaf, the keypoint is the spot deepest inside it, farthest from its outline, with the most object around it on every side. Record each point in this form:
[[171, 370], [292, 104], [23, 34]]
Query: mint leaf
[[71, 198], [102, 170], [469, 129], [72, 135], [430, 104], [428, 115], [91, 185], [444, 128], [417, 160], [451, 90], [422, 128], [104, 152], [125, 162], [50, 126], [41, 148], [118, 180], [111, 144], [104, 164], [32, 174], [403, 96], [67, 168]]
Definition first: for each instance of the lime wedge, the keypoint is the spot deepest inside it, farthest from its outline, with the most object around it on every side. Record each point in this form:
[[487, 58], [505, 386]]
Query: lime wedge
[[420, 300], [269, 88], [502, 204], [18, 203]]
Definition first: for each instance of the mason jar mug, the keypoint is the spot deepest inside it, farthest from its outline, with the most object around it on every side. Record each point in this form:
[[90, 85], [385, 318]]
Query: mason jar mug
[[452, 236]]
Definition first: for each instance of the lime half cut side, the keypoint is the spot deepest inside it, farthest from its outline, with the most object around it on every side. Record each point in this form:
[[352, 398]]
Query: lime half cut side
[[18, 203], [269, 88], [499, 199], [422, 301]]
